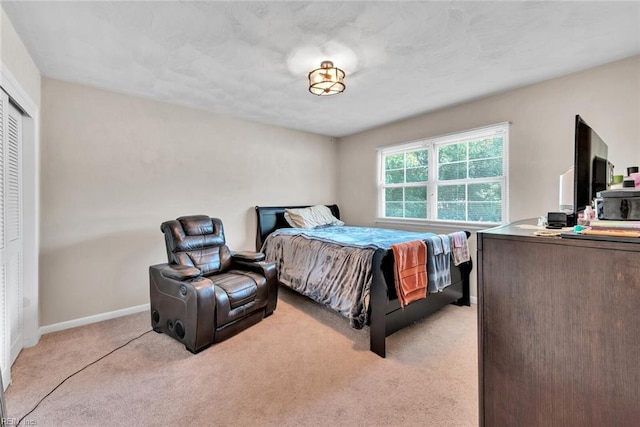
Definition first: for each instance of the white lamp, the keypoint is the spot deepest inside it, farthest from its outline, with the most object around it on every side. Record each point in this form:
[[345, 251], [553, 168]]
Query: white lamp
[[566, 191]]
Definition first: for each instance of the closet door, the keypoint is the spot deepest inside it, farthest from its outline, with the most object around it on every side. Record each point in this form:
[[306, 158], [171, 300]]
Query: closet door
[[11, 244], [13, 224]]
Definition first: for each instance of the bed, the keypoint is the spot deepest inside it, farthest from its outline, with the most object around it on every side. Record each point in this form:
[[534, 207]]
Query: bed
[[384, 314]]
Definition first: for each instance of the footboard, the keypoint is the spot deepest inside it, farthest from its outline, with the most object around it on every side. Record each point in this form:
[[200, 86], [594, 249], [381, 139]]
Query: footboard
[[385, 314]]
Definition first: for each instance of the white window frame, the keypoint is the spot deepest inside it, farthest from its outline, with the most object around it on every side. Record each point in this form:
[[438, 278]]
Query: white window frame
[[432, 145]]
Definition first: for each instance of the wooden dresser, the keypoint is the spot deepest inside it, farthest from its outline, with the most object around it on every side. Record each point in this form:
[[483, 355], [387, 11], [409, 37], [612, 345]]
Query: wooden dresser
[[558, 330]]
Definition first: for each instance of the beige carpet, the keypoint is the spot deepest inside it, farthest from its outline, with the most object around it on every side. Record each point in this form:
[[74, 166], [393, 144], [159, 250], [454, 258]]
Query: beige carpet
[[303, 366]]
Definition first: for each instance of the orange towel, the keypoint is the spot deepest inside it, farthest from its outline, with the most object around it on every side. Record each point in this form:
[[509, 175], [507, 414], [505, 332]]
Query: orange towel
[[410, 271]]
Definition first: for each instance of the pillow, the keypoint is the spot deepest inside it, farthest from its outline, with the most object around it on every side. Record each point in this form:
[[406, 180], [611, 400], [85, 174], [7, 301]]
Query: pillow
[[311, 217], [289, 220]]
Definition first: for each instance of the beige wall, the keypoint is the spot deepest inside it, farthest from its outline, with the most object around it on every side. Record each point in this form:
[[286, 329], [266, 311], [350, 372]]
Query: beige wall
[[541, 136], [115, 166]]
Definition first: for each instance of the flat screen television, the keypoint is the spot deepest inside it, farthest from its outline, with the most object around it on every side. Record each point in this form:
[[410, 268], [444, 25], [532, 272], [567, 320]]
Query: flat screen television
[[591, 168]]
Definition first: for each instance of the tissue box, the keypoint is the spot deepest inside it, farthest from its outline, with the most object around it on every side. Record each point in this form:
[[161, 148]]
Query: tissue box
[[618, 204]]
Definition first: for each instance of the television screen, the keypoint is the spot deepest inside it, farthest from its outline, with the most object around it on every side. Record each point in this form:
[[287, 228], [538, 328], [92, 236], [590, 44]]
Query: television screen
[[590, 165]]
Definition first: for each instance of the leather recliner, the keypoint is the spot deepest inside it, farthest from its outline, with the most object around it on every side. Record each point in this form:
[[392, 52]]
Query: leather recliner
[[206, 293]]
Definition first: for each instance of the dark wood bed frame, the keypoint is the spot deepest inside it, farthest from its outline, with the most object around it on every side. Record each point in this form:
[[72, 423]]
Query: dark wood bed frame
[[385, 314]]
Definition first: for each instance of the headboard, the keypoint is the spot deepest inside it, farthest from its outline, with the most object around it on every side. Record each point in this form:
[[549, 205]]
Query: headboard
[[270, 218]]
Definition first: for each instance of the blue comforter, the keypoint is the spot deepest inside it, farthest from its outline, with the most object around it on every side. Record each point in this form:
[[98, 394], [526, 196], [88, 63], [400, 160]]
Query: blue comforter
[[364, 237]]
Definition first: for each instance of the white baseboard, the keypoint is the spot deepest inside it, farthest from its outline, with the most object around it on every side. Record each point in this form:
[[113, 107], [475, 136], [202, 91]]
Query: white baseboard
[[93, 319], [117, 313]]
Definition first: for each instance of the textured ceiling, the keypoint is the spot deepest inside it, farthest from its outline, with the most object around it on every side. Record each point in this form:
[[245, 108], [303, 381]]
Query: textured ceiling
[[251, 59]]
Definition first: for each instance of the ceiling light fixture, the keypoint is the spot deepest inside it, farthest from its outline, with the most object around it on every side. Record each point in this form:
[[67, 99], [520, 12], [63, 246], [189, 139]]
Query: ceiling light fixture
[[326, 80]]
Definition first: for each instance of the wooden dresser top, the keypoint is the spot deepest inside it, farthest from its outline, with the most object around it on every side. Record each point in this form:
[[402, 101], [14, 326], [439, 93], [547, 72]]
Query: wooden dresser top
[[523, 230]]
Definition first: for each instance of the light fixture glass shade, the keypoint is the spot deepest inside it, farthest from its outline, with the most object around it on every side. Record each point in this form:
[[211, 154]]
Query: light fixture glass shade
[[326, 80]]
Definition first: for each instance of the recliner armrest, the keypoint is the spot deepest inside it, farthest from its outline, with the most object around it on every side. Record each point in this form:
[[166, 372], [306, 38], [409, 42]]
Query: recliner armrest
[[180, 272], [191, 302], [248, 256]]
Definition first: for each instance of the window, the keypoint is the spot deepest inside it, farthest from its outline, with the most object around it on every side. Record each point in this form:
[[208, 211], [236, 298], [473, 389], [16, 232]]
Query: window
[[460, 177]]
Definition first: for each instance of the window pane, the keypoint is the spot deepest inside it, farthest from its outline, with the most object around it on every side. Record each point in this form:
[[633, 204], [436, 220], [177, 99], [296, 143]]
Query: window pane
[[453, 211], [416, 210], [394, 161], [452, 171], [393, 195], [417, 158], [485, 168], [394, 177], [416, 194], [485, 211], [393, 209], [485, 148], [490, 191], [417, 174], [470, 177], [452, 153], [447, 193]]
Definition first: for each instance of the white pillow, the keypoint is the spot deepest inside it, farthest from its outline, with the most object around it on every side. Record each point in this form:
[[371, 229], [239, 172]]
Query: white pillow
[[289, 220], [311, 217]]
